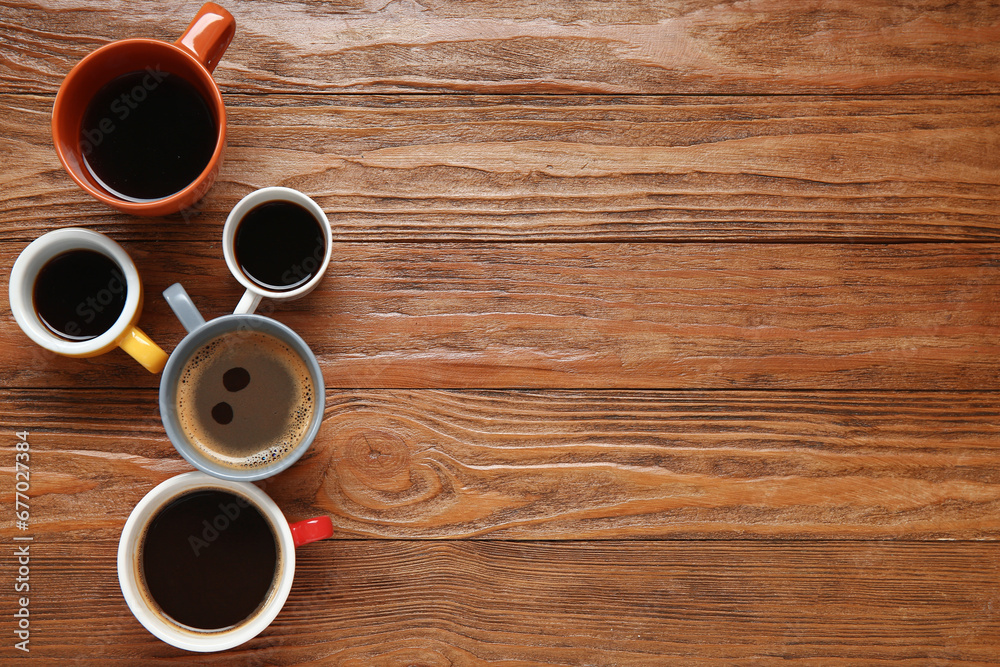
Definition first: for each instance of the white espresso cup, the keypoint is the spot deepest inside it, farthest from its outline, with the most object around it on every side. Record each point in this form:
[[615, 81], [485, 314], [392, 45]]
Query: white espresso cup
[[137, 537], [277, 265], [86, 304]]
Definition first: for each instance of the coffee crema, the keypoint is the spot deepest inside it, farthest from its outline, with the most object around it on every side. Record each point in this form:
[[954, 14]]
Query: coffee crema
[[245, 399], [79, 294], [208, 560]]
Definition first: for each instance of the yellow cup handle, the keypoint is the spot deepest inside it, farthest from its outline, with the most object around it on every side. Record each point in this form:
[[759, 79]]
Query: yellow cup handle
[[143, 350]]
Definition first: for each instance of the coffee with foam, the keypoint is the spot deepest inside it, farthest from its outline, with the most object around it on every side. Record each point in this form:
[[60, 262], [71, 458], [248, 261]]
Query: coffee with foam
[[245, 399]]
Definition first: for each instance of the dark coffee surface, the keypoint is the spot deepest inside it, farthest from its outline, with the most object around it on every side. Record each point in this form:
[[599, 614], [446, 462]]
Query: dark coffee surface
[[147, 134], [208, 559], [79, 294], [279, 245]]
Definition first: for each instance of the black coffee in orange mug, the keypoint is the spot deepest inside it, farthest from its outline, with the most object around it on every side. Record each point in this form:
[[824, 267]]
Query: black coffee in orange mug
[[147, 134]]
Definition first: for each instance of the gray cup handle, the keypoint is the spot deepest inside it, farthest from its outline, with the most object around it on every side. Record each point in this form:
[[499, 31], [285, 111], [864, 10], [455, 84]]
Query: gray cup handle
[[183, 307]]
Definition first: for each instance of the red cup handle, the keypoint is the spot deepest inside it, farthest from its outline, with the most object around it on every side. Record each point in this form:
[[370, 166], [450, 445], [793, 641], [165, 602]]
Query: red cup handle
[[311, 530], [208, 35]]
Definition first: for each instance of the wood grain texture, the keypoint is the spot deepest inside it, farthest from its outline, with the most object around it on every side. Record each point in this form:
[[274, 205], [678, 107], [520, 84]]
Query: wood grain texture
[[561, 465], [697, 46], [656, 332], [598, 315], [399, 604], [568, 168]]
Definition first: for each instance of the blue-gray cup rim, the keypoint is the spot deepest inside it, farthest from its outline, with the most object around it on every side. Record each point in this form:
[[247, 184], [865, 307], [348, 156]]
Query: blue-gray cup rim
[[192, 342]]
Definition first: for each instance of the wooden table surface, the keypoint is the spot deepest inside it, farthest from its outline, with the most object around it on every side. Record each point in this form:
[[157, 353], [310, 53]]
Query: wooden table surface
[[655, 331]]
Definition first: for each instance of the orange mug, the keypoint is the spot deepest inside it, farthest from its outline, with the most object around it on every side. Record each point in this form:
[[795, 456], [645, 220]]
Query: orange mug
[[140, 123]]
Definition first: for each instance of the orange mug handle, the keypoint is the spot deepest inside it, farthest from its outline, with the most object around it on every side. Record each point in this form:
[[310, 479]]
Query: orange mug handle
[[208, 35]]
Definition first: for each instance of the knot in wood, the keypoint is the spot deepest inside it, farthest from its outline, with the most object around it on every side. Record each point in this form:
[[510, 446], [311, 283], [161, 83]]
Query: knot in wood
[[378, 458]]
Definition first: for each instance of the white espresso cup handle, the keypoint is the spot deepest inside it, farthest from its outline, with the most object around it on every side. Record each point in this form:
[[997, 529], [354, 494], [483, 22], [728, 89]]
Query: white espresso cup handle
[[248, 304]]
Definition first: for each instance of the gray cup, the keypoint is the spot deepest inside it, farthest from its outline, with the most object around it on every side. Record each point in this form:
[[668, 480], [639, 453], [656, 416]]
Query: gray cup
[[230, 330]]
